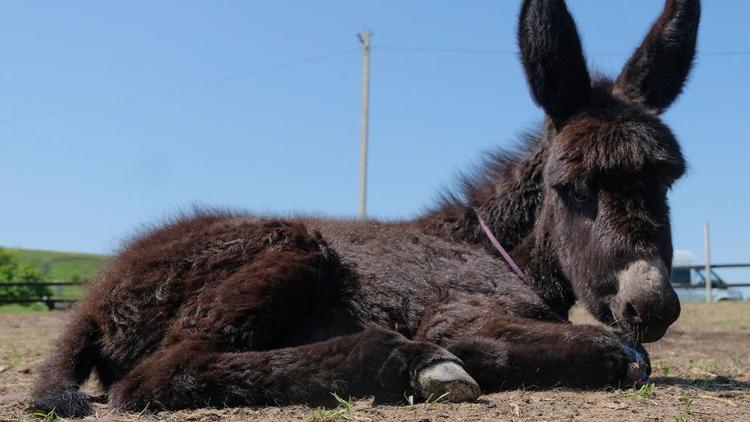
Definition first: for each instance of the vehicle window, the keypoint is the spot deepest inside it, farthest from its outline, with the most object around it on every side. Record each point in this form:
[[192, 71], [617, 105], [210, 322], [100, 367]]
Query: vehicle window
[[680, 276], [700, 280]]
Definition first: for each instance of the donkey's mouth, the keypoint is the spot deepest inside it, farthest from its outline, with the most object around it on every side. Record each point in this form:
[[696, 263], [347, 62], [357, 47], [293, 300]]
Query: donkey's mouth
[[642, 333], [643, 326], [645, 304]]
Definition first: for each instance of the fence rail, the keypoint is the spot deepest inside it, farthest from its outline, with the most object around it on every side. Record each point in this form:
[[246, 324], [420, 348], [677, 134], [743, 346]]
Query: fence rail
[[34, 283], [702, 266], [52, 302]]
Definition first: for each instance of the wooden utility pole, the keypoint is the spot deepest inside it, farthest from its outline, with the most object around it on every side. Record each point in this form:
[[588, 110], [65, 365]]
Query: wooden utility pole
[[707, 269], [364, 38]]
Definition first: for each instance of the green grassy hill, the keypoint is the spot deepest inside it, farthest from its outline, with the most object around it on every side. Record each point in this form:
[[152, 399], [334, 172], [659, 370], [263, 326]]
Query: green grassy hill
[[62, 266], [57, 266]]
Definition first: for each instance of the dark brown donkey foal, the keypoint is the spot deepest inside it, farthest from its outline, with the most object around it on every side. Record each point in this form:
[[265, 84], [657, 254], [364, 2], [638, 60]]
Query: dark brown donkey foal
[[225, 309]]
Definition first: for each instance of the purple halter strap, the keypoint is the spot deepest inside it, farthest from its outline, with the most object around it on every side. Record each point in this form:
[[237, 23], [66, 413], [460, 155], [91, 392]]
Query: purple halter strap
[[506, 256], [509, 260]]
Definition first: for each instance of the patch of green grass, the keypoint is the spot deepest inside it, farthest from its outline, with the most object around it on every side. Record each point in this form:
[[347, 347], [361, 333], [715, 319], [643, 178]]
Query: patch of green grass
[[16, 308], [666, 367], [62, 266], [432, 401], [712, 366], [646, 391], [428, 403], [342, 411], [687, 410], [322, 414], [344, 404], [68, 292], [737, 367], [48, 417]]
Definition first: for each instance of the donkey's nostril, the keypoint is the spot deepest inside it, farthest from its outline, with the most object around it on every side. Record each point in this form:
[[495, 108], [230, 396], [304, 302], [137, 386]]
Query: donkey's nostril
[[631, 314]]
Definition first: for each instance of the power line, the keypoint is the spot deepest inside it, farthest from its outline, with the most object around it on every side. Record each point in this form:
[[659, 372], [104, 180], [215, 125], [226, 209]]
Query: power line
[[289, 64], [416, 49], [120, 101], [724, 53], [500, 52]]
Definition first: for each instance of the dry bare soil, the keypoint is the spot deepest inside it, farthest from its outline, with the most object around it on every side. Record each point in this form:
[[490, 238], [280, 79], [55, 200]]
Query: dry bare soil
[[701, 372]]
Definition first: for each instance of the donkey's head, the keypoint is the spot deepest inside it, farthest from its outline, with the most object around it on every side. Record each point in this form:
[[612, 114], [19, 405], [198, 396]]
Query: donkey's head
[[610, 162]]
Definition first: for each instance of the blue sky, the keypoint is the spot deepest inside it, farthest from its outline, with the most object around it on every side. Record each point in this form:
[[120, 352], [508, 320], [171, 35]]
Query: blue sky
[[115, 115]]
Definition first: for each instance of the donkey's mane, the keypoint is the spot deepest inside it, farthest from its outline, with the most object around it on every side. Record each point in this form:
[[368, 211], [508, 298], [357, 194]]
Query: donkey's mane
[[479, 181]]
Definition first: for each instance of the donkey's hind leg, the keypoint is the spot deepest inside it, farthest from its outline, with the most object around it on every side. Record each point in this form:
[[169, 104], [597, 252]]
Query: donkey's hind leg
[[371, 362]]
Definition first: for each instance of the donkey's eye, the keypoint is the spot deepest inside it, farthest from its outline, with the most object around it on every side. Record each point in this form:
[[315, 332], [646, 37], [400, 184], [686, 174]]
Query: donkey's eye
[[580, 196]]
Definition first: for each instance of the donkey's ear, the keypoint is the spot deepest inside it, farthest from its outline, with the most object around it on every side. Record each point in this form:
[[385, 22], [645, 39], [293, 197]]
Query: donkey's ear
[[552, 58], [656, 73]]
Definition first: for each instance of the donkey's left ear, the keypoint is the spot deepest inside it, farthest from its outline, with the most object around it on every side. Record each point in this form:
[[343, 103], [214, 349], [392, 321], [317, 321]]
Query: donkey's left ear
[[552, 58], [656, 73]]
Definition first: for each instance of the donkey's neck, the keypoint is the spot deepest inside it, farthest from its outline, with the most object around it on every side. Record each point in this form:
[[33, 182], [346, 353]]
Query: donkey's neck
[[508, 193]]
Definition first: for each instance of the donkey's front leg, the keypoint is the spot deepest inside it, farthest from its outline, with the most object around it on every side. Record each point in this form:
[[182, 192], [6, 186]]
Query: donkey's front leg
[[513, 352], [371, 362]]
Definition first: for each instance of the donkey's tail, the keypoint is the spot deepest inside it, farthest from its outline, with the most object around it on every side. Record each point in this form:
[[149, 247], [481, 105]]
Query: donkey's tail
[[67, 367]]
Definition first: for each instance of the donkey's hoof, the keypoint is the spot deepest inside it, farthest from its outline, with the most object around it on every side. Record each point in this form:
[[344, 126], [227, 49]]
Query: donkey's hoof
[[638, 373], [447, 380]]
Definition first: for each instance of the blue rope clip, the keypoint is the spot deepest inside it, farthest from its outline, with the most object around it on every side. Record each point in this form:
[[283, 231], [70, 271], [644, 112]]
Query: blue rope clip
[[636, 356]]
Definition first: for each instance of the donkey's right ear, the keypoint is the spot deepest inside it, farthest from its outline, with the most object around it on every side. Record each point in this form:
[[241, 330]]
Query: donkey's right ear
[[552, 58], [656, 73]]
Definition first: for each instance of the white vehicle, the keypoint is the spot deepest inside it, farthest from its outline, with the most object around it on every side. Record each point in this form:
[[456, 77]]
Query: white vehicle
[[689, 282]]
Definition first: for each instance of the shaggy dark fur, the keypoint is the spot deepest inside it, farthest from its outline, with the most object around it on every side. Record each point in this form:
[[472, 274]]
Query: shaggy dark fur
[[225, 309]]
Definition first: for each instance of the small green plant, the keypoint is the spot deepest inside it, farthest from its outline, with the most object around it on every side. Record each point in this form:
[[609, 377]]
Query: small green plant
[[712, 366], [646, 391], [666, 368], [409, 399], [429, 402], [432, 401], [342, 411], [687, 411], [737, 367], [344, 404], [322, 414], [51, 416]]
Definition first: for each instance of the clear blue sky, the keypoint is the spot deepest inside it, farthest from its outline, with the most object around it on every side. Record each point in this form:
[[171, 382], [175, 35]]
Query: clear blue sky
[[114, 115]]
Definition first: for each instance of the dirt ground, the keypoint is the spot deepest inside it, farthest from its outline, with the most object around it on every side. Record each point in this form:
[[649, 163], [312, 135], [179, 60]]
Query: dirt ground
[[701, 372]]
